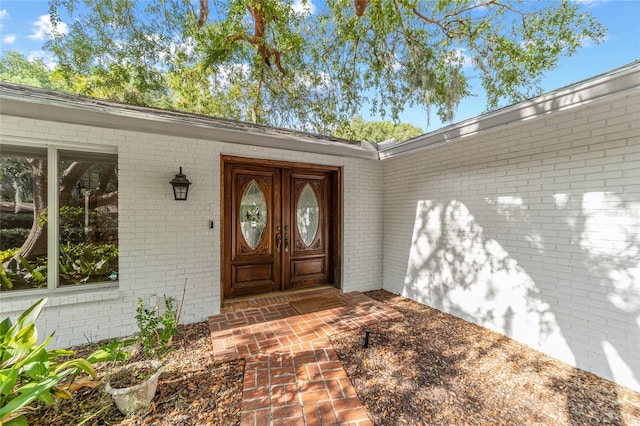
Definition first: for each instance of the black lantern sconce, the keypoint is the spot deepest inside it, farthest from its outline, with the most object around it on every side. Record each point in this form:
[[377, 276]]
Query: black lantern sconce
[[180, 185]]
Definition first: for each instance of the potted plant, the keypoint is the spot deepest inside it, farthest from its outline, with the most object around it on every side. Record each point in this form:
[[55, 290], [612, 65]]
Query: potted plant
[[133, 385]]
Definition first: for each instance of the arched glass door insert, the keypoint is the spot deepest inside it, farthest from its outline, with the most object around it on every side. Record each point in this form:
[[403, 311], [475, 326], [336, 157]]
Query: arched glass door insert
[[253, 214], [308, 215]]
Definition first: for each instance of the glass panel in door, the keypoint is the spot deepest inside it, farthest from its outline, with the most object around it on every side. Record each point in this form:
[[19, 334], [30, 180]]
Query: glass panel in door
[[253, 215], [307, 215]]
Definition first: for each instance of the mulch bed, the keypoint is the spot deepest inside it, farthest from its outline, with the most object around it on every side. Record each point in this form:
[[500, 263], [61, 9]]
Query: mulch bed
[[429, 368], [191, 391]]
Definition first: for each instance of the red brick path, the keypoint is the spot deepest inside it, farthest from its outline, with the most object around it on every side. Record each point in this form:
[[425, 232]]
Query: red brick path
[[292, 374]]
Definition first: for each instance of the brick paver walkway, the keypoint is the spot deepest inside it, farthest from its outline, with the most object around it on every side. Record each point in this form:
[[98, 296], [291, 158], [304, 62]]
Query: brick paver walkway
[[292, 373]]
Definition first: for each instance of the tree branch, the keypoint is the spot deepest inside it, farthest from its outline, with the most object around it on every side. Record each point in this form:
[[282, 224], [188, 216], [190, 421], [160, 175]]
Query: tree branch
[[444, 22], [256, 9], [204, 12], [475, 6]]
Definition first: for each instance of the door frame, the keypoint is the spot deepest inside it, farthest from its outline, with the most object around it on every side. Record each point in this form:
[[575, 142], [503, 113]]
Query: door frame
[[336, 212]]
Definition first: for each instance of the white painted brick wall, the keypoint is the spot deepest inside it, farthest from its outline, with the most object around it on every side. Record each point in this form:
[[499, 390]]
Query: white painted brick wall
[[163, 242], [532, 230]]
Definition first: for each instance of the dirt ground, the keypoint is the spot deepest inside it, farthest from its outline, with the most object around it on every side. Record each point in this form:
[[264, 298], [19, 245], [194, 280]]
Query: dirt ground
[[431, 368], [427, 369], [191, 391]]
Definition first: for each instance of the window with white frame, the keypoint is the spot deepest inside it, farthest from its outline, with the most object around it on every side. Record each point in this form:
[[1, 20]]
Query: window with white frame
[[57, 203]]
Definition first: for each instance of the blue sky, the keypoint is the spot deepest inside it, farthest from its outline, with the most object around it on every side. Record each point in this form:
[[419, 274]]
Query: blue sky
[[24, 27]]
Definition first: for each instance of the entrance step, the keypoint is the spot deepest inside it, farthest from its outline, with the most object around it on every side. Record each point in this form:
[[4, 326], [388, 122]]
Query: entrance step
[[292, 373], [246, 302]]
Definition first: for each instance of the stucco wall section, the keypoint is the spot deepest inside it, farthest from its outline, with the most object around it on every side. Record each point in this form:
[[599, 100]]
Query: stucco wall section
[[164, 242], [532, 230]]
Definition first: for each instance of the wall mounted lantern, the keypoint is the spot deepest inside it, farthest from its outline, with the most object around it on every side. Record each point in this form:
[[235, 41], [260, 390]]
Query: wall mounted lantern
[[180, 185]]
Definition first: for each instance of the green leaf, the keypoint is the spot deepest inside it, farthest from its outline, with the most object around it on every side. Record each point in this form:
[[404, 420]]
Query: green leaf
[[79, 363], [46, 397], [55, 353], [30, 315], [99, 355], [35, 274], [17, 421], [4, 279], [5, 326], [28, 394], [25, 337], [8, 379]]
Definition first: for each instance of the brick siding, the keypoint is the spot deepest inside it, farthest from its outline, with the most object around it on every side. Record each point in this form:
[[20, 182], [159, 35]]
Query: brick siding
[[163, 242], [532, 230]]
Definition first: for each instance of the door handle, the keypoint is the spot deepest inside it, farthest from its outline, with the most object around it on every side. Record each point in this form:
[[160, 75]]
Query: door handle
[[278, 238], [286, 239]]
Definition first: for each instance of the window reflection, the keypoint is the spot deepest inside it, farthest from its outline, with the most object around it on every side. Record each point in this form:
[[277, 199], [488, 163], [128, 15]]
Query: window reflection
[[88, 221], [23, 225]]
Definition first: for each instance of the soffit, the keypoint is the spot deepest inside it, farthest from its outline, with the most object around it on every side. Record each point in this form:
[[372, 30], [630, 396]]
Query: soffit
[[35, 103]]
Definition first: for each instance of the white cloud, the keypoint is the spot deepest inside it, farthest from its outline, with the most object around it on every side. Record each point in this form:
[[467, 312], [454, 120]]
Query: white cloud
[[303, 7], [46, 58], [590, 3], [43, 28], [3, 15], [588, 43], [459, 56], [9, 39], [36, 54]]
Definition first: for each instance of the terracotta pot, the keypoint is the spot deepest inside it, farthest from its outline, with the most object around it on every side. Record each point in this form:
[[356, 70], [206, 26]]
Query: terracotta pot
[[136, 399]]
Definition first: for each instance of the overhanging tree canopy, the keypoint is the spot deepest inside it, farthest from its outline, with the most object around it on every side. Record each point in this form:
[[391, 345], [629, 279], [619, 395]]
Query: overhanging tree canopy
[[313, 66]]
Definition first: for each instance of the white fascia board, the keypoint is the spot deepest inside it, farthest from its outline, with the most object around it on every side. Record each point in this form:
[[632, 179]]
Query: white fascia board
[[613, 83], [105, 115]]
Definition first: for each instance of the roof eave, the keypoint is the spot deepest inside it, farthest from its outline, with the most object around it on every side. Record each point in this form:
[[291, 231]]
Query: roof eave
[[612, 83], [104, 115]]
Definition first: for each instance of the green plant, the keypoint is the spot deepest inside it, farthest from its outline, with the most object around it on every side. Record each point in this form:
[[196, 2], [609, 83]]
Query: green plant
[[8, 254], [36, 274], [6, 276], [103, 228], [30, 372], [13, 237], [19, 270], [81, 263], [16, 220], [112, 351], [156, 331]]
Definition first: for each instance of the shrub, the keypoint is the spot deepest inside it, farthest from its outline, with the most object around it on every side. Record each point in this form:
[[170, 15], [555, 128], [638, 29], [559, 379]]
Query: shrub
[[103, 227], [13, 237], [13, 220], [156, 332]]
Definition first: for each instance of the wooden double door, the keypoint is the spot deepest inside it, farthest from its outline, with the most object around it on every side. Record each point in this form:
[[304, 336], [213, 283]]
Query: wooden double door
[[281, 226]]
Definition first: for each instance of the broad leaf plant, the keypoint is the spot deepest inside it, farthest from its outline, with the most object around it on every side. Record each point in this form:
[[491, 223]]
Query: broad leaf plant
[[28, 371]]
